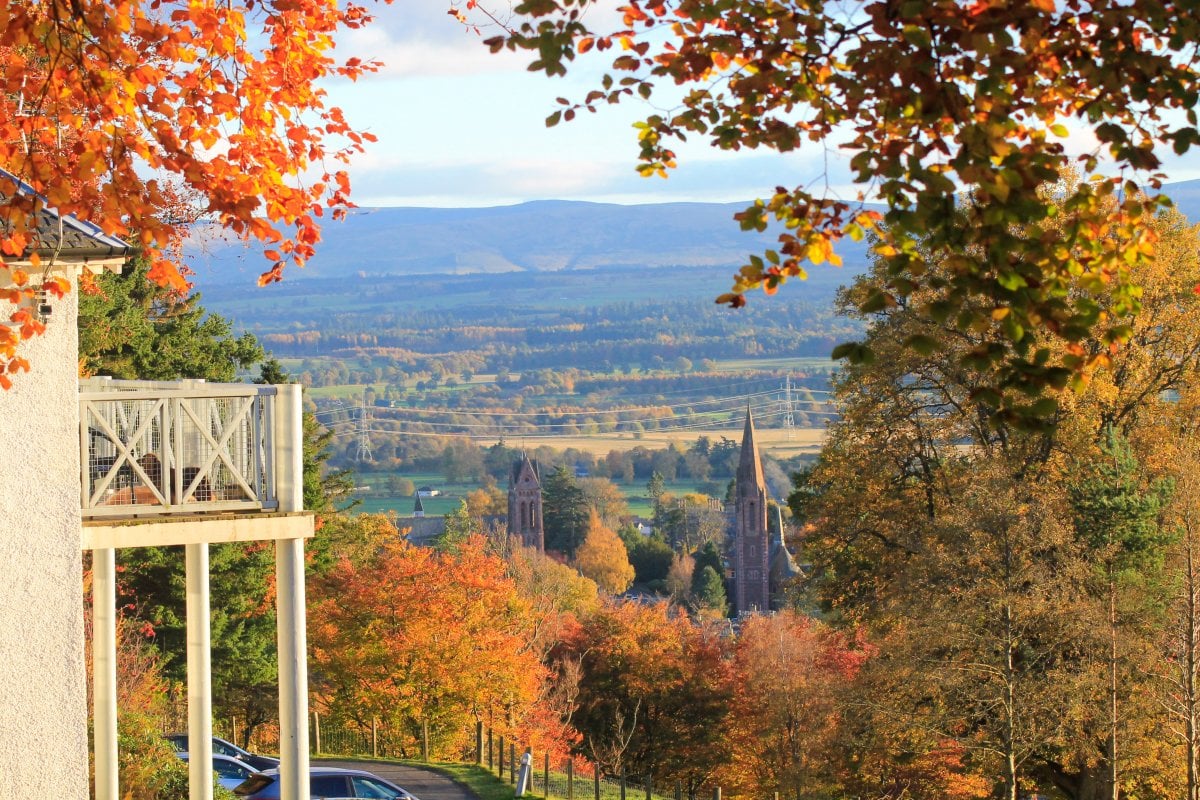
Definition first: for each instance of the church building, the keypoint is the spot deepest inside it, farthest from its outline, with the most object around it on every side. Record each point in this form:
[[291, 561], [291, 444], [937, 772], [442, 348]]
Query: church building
[[525, 504], [750, 546], [763, 569]]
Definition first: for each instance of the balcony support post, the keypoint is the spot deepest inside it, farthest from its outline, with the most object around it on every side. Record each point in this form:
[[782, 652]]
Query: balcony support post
[[289, 581], [104, 671], [199, 673]]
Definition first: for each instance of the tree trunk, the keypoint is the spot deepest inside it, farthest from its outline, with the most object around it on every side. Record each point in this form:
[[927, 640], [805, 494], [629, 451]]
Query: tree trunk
[[1191, 644], [1114, 788], [1010, 696]]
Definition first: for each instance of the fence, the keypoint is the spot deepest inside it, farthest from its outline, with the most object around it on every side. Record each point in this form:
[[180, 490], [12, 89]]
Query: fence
[[151, 447], [561, 779]]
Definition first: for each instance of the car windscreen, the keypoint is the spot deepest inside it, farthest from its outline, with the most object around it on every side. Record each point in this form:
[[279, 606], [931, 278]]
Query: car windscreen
[[253, 784]]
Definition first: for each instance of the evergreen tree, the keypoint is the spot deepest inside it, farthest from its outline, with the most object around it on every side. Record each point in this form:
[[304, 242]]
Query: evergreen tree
[[1117, 519], [706, 556], [564, 512], [656, 486], [132, 328], [459, 527], [709, 590]]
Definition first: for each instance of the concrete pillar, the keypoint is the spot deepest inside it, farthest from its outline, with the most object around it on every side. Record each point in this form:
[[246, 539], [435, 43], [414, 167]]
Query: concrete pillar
[[199, 673], [293, 669], [289, 581], [104, 671]]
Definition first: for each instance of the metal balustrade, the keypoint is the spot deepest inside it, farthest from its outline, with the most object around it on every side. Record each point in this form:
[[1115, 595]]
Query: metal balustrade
[[152, 448]]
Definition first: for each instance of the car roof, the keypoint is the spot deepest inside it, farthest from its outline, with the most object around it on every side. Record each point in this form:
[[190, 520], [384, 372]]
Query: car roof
[[328, 771], [185, 755]]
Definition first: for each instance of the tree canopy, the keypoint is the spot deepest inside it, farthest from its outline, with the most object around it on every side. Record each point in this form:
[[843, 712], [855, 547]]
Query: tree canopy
[[109, 106], [953, 114]]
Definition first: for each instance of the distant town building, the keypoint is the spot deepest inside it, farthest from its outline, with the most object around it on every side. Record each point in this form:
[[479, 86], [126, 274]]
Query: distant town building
[[418, 506], [525, 504]]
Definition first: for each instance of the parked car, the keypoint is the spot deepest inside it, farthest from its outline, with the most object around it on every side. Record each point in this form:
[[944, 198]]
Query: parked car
[[230, 772], [325, 782], [224, 748]]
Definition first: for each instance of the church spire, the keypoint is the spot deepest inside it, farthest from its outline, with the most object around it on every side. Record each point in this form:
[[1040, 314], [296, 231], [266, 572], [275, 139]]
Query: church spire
[[750, 467]]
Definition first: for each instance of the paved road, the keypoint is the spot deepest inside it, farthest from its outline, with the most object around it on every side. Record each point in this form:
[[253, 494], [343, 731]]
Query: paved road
[[425, 784]]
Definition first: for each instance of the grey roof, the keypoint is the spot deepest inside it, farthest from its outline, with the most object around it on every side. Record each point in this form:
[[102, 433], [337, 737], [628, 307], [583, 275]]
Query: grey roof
[[422, 530], [57, 235], [417, 506]]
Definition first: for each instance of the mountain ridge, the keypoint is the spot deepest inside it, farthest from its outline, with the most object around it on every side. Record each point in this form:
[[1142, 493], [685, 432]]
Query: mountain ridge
[[535, 236]]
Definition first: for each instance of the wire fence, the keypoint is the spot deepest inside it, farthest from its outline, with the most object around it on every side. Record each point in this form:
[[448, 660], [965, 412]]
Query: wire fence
[[549, 776]]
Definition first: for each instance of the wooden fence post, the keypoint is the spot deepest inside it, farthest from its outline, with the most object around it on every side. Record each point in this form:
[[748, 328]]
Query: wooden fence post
[[374, 737], [512, 763], [570, 779], [546, 776], [479, 743], [649, 785], [501, 748], [622, 783], [491, 749], [596, 779], [678, 790], [317, 731], [717, 793], [425, 740]]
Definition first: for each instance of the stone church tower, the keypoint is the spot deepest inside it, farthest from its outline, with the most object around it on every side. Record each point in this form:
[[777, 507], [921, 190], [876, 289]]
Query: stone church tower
[[751, 573], [525, 504]]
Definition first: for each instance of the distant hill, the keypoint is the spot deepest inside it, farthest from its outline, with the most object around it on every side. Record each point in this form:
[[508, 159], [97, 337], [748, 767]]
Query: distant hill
[[1186, 195], [543, 236]]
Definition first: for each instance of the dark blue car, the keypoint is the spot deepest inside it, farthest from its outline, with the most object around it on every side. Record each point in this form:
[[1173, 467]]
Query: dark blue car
[[325, 783]]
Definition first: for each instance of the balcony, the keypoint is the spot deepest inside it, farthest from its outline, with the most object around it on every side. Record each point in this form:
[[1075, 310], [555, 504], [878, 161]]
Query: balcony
[[192, 463], [151, 448], [225, 457]]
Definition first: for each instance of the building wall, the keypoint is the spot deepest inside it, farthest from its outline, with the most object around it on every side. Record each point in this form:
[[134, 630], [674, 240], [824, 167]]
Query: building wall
[[43, 712]]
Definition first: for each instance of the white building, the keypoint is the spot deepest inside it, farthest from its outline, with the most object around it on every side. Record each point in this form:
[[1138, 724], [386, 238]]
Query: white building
[[102, 465]]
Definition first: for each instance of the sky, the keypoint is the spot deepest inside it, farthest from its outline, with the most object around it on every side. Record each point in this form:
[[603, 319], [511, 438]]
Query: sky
[[459, 127]]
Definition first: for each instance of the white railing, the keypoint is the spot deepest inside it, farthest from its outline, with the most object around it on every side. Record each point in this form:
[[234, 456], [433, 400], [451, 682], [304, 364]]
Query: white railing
[[181, 447]]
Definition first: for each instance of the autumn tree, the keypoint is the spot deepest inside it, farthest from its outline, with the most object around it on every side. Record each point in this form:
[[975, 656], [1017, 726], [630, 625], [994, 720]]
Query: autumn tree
[[602, 557], [423, 640], [679, 578], [793, 678], [606, 499], [1178, 673], [945, 528], [105, 102], [149, 768], [654, 694], [953, 116]]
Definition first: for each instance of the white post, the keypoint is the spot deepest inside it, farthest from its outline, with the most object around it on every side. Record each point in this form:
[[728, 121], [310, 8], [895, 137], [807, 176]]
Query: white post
[[289, 582], [199, 673], [104, 671]]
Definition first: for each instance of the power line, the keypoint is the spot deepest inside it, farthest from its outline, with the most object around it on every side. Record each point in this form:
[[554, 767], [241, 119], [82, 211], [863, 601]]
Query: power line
[[763, 412]]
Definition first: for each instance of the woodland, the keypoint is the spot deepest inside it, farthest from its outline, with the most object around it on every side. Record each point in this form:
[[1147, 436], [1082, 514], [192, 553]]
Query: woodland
[[1001, 595], [986, 610]]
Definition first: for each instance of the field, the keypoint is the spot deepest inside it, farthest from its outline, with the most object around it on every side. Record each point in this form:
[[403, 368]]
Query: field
[[777, 442]]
